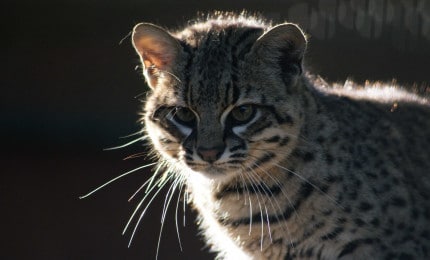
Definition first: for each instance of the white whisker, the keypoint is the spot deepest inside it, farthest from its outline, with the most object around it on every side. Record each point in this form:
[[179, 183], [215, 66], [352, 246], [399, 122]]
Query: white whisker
[[116, 178], [250, 203], [143, 213], [261, 210], [167, 202], [125, 145], [310, 183], [176, 213]]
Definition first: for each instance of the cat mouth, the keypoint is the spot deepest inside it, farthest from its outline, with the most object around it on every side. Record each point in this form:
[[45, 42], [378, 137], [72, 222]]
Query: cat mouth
[[210, 170]]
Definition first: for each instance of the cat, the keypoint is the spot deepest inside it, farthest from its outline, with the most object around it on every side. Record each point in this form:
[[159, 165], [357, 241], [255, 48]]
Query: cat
[[278, 164]]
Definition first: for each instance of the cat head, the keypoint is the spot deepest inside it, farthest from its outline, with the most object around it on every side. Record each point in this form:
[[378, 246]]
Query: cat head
[[223, 94]]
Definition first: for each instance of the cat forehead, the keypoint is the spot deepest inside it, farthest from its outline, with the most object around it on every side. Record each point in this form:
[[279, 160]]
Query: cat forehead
[[215, 64]]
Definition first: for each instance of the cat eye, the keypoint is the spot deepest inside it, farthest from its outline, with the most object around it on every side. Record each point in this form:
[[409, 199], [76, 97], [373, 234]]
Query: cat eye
[[243, 114], [184, 116]]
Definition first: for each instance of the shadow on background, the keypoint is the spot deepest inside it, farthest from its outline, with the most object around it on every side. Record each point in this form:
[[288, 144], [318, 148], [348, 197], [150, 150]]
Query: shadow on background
[[68, 90]]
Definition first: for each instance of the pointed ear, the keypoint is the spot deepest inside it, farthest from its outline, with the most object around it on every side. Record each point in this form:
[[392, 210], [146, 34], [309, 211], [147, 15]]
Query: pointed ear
[[158, 50], [284, 45]]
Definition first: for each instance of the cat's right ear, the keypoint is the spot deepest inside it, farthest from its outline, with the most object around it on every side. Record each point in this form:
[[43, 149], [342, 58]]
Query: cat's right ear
[[157, 50]]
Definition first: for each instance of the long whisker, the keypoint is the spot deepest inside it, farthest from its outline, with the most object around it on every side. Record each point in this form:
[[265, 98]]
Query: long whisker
[[145, 209], [184, 206], [276, 202], [137, 155], [116, 178], [147, 193], [312, 184], [169, 195], [132, 134], [250, 203], [125, 145], [176, 213], [251, 181], [168, 198], [139, 189]]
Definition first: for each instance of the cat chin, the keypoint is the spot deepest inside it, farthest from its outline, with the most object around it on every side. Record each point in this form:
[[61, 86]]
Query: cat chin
[[215, 174]]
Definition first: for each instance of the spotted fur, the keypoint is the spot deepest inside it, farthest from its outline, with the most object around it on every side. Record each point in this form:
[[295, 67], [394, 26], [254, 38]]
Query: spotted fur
[[278, 165]]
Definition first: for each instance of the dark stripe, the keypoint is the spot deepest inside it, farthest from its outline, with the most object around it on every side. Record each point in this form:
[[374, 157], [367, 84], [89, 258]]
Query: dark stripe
[[186, 84], [241, 146], [235, 161], [236, 91], [228, 92], [273, 139], [287, 119], [267, 157], [244, 50], [260, 189], [303, 193], [238, 155], [258, 128], [245, 42], [350, 247], [247, 34], [333, 234]]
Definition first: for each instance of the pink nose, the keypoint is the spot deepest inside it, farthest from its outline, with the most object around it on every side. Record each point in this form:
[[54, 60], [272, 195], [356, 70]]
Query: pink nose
[[210, 154]]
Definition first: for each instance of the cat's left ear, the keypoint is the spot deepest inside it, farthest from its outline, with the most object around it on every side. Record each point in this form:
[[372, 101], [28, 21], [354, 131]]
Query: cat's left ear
[[157, 49], [284, 45]]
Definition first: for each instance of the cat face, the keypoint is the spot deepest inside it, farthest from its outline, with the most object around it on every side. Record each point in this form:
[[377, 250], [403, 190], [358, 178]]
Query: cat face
[[222, 98]]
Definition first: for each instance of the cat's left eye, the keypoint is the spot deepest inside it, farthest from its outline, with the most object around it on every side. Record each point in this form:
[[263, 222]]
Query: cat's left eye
[[184, 116], [243, 114]]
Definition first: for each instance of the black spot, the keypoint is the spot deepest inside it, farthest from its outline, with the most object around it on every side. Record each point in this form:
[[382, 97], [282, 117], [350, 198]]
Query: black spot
[[398, 202], [388, 232], [352, 195], [284, 141], [331, 179], [365, 206], [401, 226], [341, 220], [425, 234], [329, 158], [357, 165], [371, 175], [375, 222], [309, 252], [384, 172], [308, 156], [404, 256], [320, 139], [359, 222], [305, 190]]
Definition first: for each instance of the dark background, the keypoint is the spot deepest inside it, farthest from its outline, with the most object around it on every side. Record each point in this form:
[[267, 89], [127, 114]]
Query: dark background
[[68, 91]]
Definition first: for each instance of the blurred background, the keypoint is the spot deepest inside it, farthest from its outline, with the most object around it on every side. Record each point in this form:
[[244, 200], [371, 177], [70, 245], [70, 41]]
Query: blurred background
[[68, 90]]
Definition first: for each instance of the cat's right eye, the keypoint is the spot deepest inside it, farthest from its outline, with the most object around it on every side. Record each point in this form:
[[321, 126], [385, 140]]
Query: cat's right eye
[[184, 116], [243, 114]]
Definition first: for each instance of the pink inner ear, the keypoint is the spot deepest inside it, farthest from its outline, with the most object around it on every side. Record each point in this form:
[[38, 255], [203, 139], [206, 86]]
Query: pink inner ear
[[157, 53], [151, 57]]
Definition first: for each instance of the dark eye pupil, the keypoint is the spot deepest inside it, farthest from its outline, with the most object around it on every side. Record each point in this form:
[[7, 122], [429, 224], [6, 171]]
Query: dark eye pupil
[[184, 115], [243, 113]]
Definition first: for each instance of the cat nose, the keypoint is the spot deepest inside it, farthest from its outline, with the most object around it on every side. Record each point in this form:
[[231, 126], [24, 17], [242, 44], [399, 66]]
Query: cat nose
[[210, 155]]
